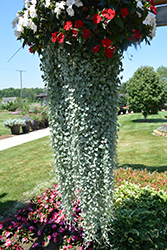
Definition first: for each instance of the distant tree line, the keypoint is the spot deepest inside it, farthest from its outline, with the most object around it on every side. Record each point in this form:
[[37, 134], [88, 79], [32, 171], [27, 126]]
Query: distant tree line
[[28, 93]]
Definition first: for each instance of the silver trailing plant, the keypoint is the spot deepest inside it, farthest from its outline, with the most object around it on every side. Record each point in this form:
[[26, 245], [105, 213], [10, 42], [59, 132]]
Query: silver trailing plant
[[82, 92]]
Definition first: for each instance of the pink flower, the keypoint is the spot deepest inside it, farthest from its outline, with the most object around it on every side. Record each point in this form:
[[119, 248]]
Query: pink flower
[[31, 228], [7, 234], [39, 232], [54, 235], [55, 239], [1, 225], [8, 243], [35, 245], [68, 240], [49, 237]]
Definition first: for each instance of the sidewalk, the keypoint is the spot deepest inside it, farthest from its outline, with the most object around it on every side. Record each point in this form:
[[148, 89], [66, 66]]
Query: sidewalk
[[20, 139]]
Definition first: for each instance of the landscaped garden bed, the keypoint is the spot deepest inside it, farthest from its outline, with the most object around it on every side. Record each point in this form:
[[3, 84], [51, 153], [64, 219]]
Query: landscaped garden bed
[[139, 217]]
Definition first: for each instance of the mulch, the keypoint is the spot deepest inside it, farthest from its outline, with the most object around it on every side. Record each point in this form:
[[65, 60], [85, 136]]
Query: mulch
[[6, 136]]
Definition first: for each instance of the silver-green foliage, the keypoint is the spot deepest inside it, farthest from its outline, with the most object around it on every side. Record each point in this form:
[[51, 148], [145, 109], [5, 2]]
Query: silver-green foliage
[[82, 91], [13, 122]]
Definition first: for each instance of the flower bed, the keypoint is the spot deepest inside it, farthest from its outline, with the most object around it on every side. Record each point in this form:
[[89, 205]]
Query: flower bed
[[162, 131], [139, 217]]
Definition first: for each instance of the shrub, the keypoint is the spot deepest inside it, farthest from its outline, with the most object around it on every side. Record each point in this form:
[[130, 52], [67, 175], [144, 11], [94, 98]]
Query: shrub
[[139, 220]]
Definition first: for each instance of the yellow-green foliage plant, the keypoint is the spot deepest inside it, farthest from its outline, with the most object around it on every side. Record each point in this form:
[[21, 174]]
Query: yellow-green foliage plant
[[82, 43]]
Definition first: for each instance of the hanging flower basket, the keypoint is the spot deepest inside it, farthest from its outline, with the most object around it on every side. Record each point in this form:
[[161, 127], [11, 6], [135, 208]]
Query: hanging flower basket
[[81, 43]]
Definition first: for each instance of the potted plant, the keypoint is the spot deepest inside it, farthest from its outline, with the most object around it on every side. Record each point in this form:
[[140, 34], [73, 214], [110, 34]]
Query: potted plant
[[26, 128], [35, 121], [14, 125]]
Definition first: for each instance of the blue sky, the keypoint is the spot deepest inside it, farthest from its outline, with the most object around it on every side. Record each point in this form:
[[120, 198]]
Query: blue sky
[[154, 55]]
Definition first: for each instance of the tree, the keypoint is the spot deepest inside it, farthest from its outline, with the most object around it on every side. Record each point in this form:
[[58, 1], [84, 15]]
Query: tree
[[145, 91], [162, 72]]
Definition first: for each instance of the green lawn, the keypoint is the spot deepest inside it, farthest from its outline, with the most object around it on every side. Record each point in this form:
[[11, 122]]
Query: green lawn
[[22, 169], [27, 166], [4, 116], [137, 146]]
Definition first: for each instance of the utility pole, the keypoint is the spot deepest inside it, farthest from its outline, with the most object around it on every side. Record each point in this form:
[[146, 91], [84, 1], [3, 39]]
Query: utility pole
[[21, 81]]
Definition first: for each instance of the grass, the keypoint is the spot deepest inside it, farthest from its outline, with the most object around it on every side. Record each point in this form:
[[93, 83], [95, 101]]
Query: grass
[[22, 169], [25, 167], [4, 116], [137, 146]]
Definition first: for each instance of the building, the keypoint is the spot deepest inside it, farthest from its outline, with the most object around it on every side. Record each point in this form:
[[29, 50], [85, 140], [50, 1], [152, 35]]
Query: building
[[6, 100]]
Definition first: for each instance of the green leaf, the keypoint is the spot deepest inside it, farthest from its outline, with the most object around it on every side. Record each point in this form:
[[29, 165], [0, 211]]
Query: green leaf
[[102, 3], [130, 240], [68, 47], [119, 22]]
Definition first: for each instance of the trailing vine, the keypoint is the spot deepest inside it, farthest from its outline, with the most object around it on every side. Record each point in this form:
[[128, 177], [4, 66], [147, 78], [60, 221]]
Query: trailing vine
[[83, 122]]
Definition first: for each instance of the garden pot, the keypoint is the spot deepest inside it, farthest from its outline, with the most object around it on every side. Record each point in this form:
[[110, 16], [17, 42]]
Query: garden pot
[[15, 130], [26, 128], [34, 125]]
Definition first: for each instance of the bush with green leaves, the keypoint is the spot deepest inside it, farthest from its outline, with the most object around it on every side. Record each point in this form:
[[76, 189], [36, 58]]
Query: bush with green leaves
[[13, 122], [145, 91], [139, 220]]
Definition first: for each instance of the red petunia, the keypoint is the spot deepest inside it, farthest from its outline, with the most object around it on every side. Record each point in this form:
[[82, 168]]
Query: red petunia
[[96, 19], [109, 52], [96, 49], [79, 24], [137, 35], [54, 37], [108, 13], [106, 42], [86, 33], [74, 32], [67, 25], [60, 38], [124, 12]]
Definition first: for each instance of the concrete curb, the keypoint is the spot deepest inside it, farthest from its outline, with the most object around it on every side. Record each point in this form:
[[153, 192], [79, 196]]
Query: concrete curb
[[20, 139]]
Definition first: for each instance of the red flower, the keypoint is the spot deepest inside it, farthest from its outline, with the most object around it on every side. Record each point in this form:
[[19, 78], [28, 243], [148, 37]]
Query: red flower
[[96, 19], [109, 52], [86, 33], [79, 24], [96, 49], [137, 35], [31, 50], [130, 38], [153, 8], [124, 12], [106, 42], [54, 37], [108, 13], [60, 38], [67, 25], [74, 33]]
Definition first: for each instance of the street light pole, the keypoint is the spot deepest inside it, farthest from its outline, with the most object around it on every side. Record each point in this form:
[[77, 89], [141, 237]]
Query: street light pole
[[21, 81]]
